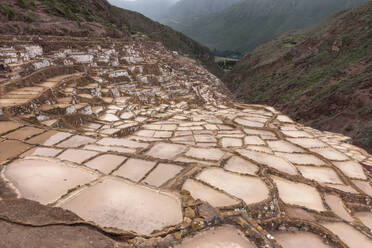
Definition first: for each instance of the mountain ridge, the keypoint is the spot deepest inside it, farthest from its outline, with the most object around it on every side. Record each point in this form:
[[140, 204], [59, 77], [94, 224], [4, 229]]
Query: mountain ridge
[[247, 24]]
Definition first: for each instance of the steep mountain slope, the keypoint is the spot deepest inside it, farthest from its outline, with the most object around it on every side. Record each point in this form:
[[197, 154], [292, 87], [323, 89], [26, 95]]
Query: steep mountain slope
[[96, 18], [322, 77], [248, 24]]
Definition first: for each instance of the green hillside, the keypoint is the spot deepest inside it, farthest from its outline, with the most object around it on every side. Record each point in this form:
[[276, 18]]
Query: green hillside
[[322, 76]]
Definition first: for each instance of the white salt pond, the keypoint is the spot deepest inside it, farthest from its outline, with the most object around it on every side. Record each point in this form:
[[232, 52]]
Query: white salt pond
[[214, 197], [320, 174], [76, 156], [109, 118], [330, 153], [337, 206], [364, 186], [135, 169], [304, 159], [205, 153], [283, 146], [239, 165], [231, 142], [248, 188], [49, 138], [162, 173], [76, 141], [121, 204], [366, 218], [46, 180], [351, 169], [166, 151], [350, 236], [269, 160], [307, 142], [299, 194], [105, 163], [221, 237], [253, 140], [300, 239]]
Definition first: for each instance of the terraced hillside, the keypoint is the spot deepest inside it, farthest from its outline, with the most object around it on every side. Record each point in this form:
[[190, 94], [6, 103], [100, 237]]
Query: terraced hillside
[[321, 77], [93, 18], [122, 143]]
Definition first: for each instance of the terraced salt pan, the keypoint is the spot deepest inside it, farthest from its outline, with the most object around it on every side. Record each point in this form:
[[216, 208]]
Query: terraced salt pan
[[105, 163], [166, 151], [76, 141], [284, 118], [297, 134], [42, 152], [24, 133], [320, 174], [214, 197], [109, 118], [121, 142], [205, 153], [253, 140], [6, 126], [344, 188], [221, 237], [162, 173], [366, 218], [12, 148], [283, 146], [300, 239], [239, 165], [248, 123], [364, 186], [205, 138], [99, 148], [307, 142], [76, 156], [304, 159], [299, 194], [124, 205], [263, 149], [249, 189], [45, 180], [330, 154], [262, 133], [349, 235], [269, 160], [135, 169], [49, 138], [351, 169], [337, 206], [231, 142], [201, 163]]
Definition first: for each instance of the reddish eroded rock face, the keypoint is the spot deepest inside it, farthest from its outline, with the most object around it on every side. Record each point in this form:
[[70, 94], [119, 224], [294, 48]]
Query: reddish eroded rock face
[[127, 144]]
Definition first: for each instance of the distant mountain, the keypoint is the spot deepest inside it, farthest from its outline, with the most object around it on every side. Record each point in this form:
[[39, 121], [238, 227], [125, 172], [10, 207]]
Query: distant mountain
[[192, 8], [247, 24], [93, 18], [321, 76], [154, 9]]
